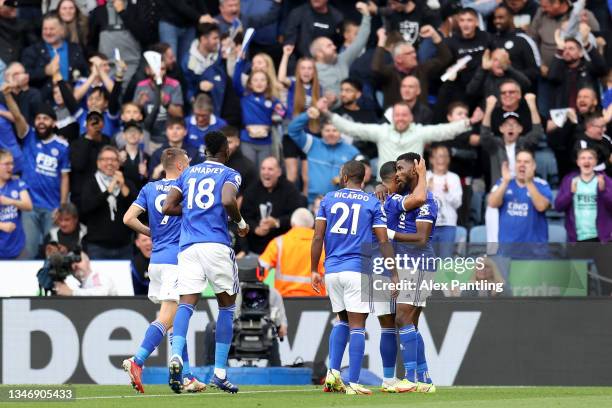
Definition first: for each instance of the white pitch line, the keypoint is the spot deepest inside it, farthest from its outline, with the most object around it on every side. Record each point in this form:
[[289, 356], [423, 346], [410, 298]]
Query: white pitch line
[[190, 394]]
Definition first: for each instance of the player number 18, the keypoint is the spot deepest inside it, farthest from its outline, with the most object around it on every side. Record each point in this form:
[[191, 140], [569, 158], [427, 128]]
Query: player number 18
[[344, 214], [204, 196]]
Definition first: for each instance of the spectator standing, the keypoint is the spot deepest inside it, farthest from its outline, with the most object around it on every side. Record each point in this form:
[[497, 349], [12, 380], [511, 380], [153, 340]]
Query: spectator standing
[[132, 157], [289, 255], [14, 199], [15, 34], [105, 199], [200, 122], [522, 11], [238, 161], [75, 21], [332, 67], [446, 188], [46, 170], [175, 137], [84, 152], [8, 141], [325, 155], [315, 19], [405, 63], [177, 21], [228, 18], [27, 98], [522, 201], [586, 199], [511, 101], [594, 137], [40, 58], [410, 91], [268, 205], [203, 66]]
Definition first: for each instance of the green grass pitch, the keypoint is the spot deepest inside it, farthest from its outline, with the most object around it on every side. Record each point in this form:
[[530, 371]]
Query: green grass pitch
[[99, 396]]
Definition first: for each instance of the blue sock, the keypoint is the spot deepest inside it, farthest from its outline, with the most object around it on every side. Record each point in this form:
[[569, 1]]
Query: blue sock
[[408, 340], [337, 344], [422, 373], [185, 357], [153, 336], [356, 350], [388, 351], [181, 324], [223, 335]]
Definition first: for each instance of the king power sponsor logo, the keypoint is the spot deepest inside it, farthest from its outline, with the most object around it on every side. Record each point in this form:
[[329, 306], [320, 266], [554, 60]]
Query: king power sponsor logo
[[85, 350]]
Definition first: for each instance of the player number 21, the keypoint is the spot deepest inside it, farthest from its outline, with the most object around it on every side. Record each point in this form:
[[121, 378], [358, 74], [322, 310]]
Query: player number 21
[[204, 196], [344, 214]]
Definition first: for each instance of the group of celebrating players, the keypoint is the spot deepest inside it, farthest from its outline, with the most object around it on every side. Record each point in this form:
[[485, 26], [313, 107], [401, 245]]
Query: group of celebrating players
[[187, 221]]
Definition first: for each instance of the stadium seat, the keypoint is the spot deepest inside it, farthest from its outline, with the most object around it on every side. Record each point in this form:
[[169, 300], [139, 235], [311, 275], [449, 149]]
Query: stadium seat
[[478, 234], [551, 213], [557, 233], [460, 234]]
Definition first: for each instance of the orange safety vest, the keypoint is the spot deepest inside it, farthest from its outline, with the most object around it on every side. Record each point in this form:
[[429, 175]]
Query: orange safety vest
[[289, 254]]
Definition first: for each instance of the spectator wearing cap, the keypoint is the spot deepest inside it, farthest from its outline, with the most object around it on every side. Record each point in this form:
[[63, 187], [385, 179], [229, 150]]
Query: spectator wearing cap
[[350, 94], [159, 101], [105, 199], [14, 200], [316, 18], [27, 98], [405, 63], [511, 100], [84, 153], [40, 59], [268, 205], [513, 136], [522, 50], [594, 137], [410, 91], [132, 157], [46, 169], [325, 155], [570, 71], [333, 67], [204, 68], [586, 198], [68, 231], [200, 122], [176, 132], [495, 68]]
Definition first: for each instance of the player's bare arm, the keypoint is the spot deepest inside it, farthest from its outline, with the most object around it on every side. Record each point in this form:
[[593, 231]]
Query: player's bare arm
[[417, 197], [131, 220], [172, 205], [421, 237], [386, 249], [230, 203], [316, 249]]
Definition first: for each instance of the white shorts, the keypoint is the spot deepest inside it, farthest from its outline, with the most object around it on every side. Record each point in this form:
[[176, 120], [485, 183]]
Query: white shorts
[[384, 308], [422, 281], [207, 261], [163, 283], [347, 291]]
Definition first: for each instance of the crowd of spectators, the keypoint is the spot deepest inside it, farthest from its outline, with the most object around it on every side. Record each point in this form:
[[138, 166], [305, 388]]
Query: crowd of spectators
[[509, 100]]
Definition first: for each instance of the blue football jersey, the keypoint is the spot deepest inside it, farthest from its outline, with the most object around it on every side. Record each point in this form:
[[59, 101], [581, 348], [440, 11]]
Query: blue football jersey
[[165, 229], [44, 163], [204, 217], [12, 244], [350, 216]]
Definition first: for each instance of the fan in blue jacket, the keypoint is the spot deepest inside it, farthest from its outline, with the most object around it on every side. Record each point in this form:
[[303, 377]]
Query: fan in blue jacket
[[325, 155]]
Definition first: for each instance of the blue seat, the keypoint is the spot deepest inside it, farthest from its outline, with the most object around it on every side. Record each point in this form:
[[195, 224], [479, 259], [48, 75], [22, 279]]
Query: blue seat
[[460, 234], [478, 234], [557, 233]]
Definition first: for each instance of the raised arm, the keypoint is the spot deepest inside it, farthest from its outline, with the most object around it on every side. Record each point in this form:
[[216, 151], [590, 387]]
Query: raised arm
[[444, 131], [420, 237], [282, 68], [417, 197], [496, 197], [354, 49], [21, 125]]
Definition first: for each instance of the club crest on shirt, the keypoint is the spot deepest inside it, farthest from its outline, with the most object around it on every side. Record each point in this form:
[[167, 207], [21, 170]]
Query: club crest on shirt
[[14, 194], [268, 104], [54, 152]]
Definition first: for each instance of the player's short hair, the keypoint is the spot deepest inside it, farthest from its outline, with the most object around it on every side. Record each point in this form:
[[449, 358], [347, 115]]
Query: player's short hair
[[354, 170], [203, 102], [68, 209], [454, 105], [5, 152], [302, 218], [108, 148], [230, 131], [215, 142], [355, 83], [170, 155], [387, 170], [409, 157], [175, 120]]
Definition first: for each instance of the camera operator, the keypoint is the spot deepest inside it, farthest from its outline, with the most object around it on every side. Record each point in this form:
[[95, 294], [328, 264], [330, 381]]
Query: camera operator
[[90, 283]]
